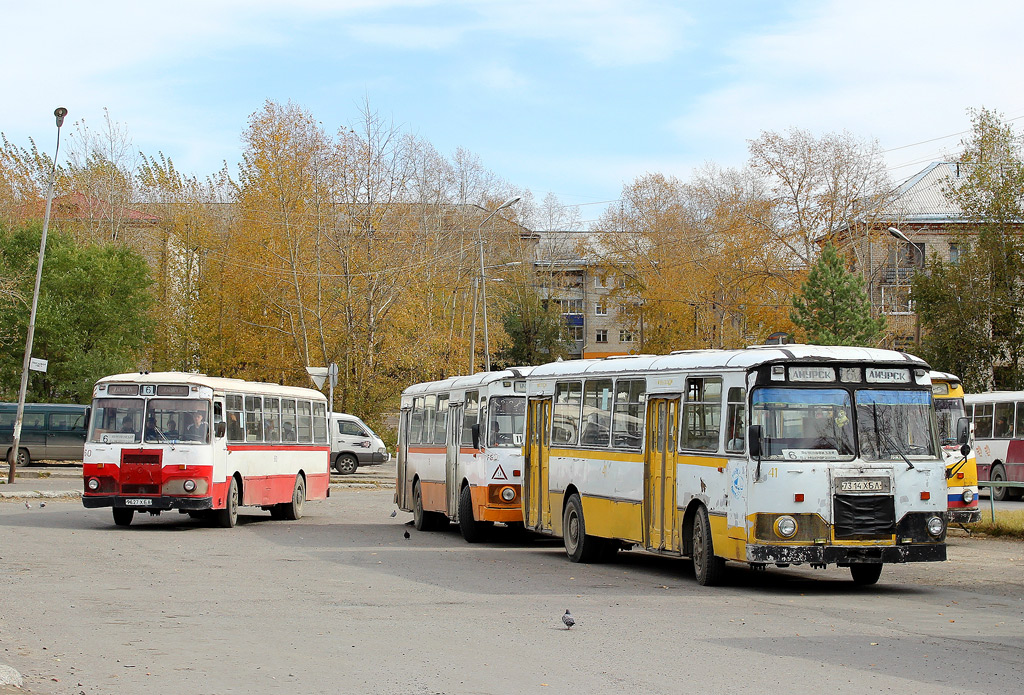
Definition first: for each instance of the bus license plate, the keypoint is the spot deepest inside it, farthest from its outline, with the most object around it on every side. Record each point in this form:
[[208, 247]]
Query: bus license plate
[[863, 485], [138, 502]]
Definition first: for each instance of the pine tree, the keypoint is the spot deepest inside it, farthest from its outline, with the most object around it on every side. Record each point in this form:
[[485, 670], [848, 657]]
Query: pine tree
[[833, 308]]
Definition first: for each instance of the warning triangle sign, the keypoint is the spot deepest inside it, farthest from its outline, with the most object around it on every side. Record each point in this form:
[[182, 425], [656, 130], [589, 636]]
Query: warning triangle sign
[[499, 474]]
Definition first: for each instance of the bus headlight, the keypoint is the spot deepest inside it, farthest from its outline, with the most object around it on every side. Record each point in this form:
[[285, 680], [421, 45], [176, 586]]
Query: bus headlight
[[968, 496], [785, 527], [189, 485], [93, 484], [935, 526], [508, 494]]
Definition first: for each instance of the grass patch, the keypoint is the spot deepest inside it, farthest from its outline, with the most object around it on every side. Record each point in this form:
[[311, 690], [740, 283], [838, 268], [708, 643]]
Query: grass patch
[[1008, 524]]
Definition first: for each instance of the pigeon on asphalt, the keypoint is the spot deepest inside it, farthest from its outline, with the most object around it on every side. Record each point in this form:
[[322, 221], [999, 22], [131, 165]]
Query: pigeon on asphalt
[[42, 504], [394, 512], [406, 534], [28, 506], [568, 620]]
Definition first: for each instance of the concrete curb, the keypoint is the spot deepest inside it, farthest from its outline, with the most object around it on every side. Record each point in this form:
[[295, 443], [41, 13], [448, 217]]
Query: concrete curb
[[9, 676], [37, 494]]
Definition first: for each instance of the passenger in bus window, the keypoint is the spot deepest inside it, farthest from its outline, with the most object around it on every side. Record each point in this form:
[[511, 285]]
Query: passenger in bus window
[[171, 431], [288, 433], [152, 432], [234, 429], [197, 430], [128, 425], [1002, 428]]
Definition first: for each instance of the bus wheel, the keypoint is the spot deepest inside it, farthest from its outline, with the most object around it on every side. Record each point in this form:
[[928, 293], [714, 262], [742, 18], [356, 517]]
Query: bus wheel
[[708, 568], [291, 511], [864, 574], [999, 475], [472, 530], [423, 521], [227, 517], [123, 517], [578, 545], [346, 464]]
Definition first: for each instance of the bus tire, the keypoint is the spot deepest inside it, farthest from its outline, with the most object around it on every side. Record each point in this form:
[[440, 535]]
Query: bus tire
[[865, 574], [228, 517], [472, 530], [707, 567], [292, 511], [422, 521], [123, 517], [578, 545], [999, 494], [346, 464]]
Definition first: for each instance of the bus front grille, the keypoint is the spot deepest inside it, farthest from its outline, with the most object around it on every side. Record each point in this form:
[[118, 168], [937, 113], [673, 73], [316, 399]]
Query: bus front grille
[[864, 517]]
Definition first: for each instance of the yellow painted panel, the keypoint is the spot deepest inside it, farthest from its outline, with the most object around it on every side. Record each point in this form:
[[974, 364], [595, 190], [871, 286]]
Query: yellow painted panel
[[725, 546], [611, 519], [706, 461]]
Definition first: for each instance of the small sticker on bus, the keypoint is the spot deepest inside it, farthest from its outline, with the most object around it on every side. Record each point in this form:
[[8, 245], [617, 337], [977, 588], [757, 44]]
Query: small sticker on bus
[[810, 454]]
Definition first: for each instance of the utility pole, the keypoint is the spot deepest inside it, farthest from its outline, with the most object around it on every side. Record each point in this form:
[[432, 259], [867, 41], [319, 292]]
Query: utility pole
[[483, 280], [60, 112]]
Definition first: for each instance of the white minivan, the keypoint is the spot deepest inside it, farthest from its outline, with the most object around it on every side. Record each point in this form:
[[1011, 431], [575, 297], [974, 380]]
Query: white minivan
[[354, 444]]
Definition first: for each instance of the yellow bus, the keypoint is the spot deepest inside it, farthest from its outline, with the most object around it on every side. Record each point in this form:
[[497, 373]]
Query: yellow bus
[[961, 463], [772, 455]]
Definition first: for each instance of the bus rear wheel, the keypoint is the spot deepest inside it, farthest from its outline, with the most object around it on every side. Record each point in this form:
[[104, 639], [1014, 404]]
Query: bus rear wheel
[[228, 517], [472, 530], [123, 517], [708, 569], [864, 574], [999, 494], [578, 545], [423, 520], [291, 511]]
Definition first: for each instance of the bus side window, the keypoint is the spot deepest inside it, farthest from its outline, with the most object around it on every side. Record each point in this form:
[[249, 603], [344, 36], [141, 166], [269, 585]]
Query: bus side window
[[1019, 434], [737, 420]]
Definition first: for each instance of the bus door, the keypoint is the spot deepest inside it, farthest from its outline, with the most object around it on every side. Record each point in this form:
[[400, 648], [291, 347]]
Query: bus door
[[537, 514], [453, 437], [401, 492], [660, 528]]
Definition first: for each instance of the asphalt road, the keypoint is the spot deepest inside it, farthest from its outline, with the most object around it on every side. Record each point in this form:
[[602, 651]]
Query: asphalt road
[[341, 602]]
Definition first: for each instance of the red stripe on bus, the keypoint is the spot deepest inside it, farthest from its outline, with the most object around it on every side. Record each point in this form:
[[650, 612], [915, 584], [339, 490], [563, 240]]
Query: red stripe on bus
[[276, 447], [428, 450]]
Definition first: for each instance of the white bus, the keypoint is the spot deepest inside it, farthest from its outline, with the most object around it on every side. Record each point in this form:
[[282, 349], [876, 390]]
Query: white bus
[[998, 418], [771, 455], [151, 447], [460, 451], [961, 463]]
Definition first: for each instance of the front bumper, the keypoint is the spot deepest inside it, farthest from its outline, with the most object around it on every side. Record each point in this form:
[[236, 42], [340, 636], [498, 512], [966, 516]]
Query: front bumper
[[153, 504], [846, 555], [964, 516]]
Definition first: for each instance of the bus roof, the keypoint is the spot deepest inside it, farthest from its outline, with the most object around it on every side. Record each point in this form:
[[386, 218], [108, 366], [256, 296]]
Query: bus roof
[[944, 376], [214, 382], [747, 358], [469, 381]]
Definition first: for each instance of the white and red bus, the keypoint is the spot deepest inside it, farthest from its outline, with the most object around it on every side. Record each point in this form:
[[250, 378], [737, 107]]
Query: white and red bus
[[460, 451], [998, 418], [151, 447]]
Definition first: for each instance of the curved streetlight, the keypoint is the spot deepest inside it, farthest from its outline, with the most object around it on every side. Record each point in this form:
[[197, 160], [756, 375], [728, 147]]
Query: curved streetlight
[[59, 113], [483, 278]]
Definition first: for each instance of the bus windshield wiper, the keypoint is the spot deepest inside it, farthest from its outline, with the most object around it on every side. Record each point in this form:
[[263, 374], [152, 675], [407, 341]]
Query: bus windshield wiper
[[889, 440]]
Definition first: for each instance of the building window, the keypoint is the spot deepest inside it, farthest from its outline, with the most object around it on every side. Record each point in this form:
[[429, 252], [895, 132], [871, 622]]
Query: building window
[[956, 252], [626, 336], [601, 308], [897, 300], [601, 336], [575, 333], [570, 306]]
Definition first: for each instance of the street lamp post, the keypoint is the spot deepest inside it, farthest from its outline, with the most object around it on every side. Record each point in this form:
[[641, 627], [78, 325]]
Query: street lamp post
[[60, 112], [483, 280]]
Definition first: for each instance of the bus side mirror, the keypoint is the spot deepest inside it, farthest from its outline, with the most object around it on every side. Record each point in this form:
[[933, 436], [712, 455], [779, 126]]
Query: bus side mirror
[[219, 428], [475, 429], [963, 430], [754, 434]]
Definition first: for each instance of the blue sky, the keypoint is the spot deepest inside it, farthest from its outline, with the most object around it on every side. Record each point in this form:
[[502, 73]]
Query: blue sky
[[576, 98]]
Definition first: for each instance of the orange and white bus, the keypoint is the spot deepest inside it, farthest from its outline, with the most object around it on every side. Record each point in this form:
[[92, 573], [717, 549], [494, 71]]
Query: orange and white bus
[[151, 448], [460, 451], [961, 468]]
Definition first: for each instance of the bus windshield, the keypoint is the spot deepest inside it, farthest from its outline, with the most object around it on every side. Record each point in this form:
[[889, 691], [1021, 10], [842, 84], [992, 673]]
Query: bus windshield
[[116, 420], [804, 424], [176, 419], [507, 421], [948, 411], [893, 422]]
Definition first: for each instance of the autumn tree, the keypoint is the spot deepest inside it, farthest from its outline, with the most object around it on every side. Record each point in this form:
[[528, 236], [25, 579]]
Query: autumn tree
[[832, 307], [972, 309]]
